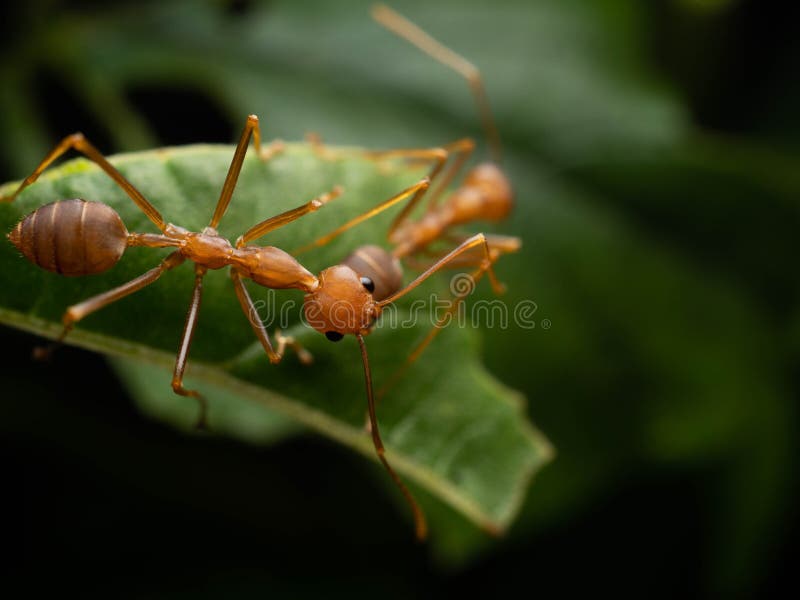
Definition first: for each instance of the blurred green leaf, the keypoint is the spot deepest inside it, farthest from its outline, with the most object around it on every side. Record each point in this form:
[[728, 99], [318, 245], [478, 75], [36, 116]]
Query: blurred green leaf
[[234, 415], [448, 425]]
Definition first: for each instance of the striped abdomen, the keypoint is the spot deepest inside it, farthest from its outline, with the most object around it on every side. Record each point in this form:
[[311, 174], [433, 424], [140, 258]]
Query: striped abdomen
[[380, 266], [72, 237]]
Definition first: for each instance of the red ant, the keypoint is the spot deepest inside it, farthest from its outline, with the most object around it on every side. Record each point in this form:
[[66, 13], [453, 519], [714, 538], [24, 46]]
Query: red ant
[[484, 194], [79, 237]]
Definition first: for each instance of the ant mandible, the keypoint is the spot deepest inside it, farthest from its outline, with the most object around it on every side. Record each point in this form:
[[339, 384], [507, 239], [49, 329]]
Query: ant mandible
[[80, 237]]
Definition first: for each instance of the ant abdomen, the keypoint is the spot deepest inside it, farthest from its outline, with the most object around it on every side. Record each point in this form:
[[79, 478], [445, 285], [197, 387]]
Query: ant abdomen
[[380, 267], [72, 237]]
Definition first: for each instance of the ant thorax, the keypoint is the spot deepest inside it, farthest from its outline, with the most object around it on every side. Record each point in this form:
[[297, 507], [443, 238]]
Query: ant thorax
[[207, 249]]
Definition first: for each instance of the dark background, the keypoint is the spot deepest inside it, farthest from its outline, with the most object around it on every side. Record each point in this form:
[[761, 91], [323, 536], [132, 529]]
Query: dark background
[[95, 496]]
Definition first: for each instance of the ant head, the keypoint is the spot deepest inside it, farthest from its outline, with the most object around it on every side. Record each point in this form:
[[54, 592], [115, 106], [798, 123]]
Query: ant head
[[341, 304]]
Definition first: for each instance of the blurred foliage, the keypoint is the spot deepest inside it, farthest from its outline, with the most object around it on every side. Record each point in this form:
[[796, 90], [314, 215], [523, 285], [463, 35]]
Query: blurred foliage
[[661, 252]]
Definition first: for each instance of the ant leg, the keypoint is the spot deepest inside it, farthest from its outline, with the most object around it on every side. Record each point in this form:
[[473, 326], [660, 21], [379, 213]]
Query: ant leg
[[495, 246], [274, 148], [251, 312], [476, 241], [260, 229], [473, 279], [439, 157], [314, 140], [250, 129], [76, 312], [79, 143], [303, 355], [501, 244], [183, 350], [498, 245], [420, 526], [405, 29], [416, 190], [462, 149]]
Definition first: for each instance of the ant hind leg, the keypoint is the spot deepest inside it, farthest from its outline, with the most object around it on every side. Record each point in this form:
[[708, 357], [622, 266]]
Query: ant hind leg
[[79, 311], [79, 143], [183, 351]]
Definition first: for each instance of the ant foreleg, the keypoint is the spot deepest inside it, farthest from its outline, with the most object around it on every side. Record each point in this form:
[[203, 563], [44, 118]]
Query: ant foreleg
[[490, 256], [473, 279], [251, 312], [477, 240], [420, 524], [498, 245]]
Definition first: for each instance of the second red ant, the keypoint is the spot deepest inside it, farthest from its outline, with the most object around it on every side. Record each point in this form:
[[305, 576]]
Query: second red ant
[[485, 194]]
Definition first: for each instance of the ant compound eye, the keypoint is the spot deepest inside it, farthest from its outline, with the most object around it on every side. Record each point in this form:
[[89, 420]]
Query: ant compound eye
[[334, 336], [368, 284]]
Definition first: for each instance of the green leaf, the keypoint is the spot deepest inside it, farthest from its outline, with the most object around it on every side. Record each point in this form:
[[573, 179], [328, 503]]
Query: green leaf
[[448, 425], [234, 414]]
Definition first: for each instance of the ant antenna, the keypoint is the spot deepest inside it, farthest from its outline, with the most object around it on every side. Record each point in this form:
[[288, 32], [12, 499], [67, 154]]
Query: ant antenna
[[405, 29], [420, 526]]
